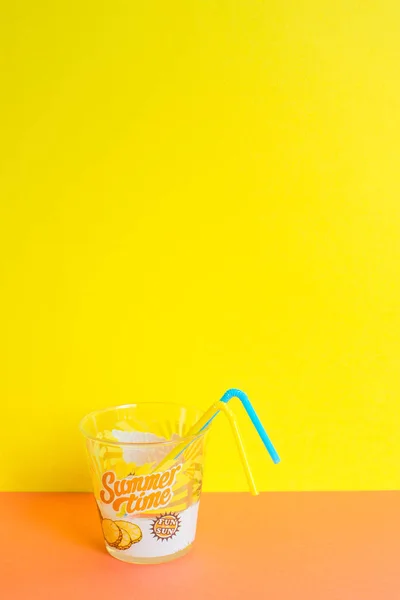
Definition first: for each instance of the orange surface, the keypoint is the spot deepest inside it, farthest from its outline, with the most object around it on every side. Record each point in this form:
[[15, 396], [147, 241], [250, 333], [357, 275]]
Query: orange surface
[[325, 546]]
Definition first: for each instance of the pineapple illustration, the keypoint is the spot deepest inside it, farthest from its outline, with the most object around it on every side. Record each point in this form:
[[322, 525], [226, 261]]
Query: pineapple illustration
[[121, 534]]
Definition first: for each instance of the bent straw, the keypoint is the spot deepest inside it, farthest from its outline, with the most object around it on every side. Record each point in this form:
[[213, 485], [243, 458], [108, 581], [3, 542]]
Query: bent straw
[[196, 428], [232, 393], [242, 453], [200, 425]]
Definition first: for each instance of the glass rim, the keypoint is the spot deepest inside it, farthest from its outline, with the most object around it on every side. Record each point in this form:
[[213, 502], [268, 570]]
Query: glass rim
[[188, 439]]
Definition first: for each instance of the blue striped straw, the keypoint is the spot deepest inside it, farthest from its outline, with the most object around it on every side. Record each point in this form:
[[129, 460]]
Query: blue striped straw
[[234, 393]]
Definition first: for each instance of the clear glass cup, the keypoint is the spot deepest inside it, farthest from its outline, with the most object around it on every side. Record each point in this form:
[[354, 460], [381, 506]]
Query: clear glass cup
[[148, 514]]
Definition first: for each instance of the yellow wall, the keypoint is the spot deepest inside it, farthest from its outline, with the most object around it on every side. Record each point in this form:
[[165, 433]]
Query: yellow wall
[[199, 194]]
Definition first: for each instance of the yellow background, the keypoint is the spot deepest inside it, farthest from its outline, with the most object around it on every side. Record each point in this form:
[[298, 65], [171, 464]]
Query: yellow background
[[199, 194]]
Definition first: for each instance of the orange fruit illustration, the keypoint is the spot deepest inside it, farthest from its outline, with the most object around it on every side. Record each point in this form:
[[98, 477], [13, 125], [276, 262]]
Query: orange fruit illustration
[[134, 531], [112, 533]]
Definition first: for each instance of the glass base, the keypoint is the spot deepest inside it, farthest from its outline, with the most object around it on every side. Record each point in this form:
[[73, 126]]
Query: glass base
[[153, 560]]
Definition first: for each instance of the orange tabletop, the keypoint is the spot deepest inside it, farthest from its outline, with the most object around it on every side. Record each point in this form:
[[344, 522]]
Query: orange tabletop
[[322, 546]]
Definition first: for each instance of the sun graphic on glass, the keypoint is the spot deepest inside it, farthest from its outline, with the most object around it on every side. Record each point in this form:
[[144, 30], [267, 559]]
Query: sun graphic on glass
[[166, 526]]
